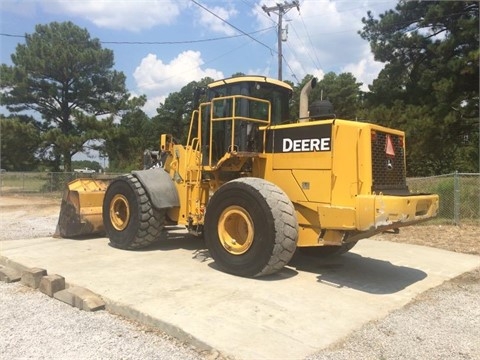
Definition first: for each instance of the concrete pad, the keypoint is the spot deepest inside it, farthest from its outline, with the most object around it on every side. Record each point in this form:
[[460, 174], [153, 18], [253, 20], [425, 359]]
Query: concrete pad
[[310, 304]]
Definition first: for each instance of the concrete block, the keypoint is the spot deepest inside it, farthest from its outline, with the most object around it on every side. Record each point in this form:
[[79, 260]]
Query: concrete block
[[51, 284], [31, 277], [9, 275], [81, 298], [65, 296], [88, 300]]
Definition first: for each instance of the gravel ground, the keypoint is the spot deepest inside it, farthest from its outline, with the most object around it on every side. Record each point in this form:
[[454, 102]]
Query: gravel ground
[[442, 323], [35, 326]]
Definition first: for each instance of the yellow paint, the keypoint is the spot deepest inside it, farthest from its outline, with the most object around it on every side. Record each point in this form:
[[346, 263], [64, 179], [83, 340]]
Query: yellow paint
[[328, 179]]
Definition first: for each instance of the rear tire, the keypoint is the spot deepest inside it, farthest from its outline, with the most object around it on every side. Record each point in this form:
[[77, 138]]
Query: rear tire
[[130, 220], [250, 227]]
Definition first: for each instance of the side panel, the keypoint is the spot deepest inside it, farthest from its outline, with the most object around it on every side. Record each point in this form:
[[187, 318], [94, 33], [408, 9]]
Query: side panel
[[301, 146], [159, 186], [346, 178], [301, 160], [304, 185]]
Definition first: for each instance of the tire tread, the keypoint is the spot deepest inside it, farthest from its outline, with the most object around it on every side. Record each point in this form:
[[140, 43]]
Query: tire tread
[[285, 224], [151, 220]]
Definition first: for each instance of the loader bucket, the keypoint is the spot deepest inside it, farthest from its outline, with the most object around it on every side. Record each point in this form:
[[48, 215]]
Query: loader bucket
[[81, 209]]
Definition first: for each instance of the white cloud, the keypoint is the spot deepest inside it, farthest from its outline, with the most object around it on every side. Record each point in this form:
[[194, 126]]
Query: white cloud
[[119, 14], [323, 38], [365, 70], [213, 23], [157, 79], [152, 104]]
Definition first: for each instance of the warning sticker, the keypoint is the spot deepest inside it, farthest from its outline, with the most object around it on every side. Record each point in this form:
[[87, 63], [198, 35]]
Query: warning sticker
[[389, 150]]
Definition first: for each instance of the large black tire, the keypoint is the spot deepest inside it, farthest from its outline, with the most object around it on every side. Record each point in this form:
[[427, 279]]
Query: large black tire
[[250, 227], [130, 220], [327, 251]]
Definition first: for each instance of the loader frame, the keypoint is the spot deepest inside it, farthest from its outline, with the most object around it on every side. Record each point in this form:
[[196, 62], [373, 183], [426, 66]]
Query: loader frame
[[257, 184]]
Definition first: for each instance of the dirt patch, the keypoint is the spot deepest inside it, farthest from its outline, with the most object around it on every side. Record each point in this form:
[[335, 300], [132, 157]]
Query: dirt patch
[[31, 212], [7, 201], [463, 239], [24, 217]]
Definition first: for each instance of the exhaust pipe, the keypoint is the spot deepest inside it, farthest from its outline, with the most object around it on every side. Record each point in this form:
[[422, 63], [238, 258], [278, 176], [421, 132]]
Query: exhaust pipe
[[303, 115]]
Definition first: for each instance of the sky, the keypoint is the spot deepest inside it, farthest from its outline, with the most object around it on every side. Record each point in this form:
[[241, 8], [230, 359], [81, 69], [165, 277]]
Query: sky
[[162, 45]]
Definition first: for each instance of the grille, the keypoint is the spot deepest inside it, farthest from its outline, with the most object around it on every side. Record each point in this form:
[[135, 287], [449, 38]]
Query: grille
[[388, 171]]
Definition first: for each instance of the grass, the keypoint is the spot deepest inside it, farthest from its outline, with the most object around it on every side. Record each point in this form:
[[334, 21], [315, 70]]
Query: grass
[[23, 182], [460, 196]]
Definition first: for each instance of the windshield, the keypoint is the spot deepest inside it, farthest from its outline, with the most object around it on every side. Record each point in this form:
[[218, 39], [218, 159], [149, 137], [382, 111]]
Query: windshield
[[279, 97]]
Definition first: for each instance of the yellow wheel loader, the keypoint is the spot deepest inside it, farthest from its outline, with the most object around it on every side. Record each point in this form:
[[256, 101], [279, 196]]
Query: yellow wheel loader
[[257, 185]]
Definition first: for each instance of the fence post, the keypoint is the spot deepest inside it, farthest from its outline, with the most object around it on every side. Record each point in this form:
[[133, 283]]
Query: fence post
[[456, 199]]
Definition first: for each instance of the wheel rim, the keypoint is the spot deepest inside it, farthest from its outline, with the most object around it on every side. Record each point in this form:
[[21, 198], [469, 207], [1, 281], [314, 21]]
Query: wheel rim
[[235, 230], [119, 212]]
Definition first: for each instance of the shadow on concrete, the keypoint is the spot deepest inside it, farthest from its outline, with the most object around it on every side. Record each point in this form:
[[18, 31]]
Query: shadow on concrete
[[177, 238], [347, 271], [171, 239], [89, 237], [354, 271], [283, 274]]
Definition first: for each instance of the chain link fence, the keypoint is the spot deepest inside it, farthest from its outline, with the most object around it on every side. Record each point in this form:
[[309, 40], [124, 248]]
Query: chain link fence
[[459, 193], [42, 183]]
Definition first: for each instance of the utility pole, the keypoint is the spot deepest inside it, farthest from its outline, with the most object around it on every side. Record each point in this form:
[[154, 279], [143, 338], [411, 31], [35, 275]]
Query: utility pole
[[280, 10]]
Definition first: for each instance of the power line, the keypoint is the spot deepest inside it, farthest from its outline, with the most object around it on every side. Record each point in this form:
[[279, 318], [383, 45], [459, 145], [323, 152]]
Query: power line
[[292, 72], [13, 35], [231, 25], [160, 42], [280, 10], [317, 64], [257, 7]]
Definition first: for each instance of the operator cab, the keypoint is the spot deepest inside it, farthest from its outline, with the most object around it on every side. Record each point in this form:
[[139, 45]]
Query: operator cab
[[237, 107], [276, 92]]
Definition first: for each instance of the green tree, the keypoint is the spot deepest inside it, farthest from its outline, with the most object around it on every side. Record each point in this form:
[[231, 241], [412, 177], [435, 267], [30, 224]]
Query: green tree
[[431, 55], [175, 113], [127, 141], [20, 141], [341, 90], [66, 77]]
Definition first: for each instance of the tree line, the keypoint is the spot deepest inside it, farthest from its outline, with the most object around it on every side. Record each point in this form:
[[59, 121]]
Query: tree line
[[64, 95]]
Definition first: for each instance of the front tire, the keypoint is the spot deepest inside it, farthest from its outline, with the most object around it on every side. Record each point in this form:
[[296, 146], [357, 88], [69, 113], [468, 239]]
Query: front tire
[[250, 227], [130, 220]]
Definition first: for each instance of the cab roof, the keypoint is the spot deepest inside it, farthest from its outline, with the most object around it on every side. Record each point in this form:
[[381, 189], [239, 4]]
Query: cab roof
[[249, 78]]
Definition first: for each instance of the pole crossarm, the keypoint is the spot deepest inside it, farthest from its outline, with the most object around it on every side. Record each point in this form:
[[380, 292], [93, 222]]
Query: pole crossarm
[[280, 10]]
